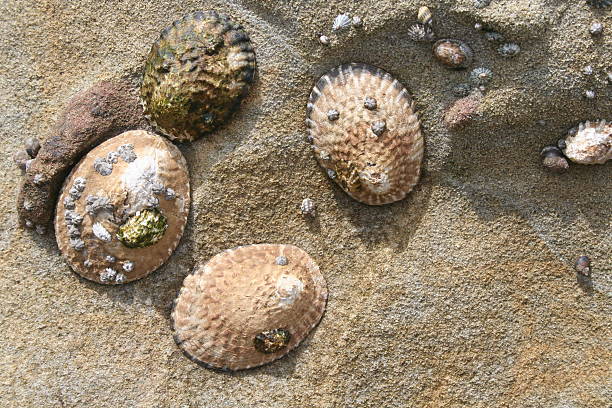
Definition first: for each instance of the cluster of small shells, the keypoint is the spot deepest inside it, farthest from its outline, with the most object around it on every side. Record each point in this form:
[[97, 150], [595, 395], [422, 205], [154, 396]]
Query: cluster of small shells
[[341, 23]]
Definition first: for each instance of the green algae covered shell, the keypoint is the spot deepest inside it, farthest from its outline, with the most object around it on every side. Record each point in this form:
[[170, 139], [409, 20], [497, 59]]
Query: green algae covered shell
[[196, 74], [143, 229]]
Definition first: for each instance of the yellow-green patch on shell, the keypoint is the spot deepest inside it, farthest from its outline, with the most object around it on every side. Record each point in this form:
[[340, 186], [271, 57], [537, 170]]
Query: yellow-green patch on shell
[[123, 208], [244, 308], [373, 149], [196, 74]]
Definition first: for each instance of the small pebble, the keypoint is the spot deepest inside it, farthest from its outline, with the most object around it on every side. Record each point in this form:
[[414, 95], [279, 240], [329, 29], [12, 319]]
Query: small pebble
[[357, 22], [588, 70], [462, 90], [589, 94], [509, 49], [478, 26], [20, 158], [32, 146], [596, 28], [583, 266], [324, 40], [281, 260], [308, 207], [553, 159]]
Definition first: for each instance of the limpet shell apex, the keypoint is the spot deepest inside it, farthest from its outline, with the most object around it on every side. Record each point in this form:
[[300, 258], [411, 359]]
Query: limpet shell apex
[[242, 309], [373, 154], [115, 230], [196, 74]]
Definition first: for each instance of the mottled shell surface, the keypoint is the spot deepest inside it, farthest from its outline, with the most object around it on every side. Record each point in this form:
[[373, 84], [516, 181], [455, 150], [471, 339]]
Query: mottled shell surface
[[123, 208], [374, 148], [592, 144], [453, 53], [244, 308], [196, 74]]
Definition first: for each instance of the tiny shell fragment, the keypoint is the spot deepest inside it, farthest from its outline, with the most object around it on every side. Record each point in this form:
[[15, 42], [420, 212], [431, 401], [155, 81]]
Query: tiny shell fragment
[[243, 309], [374, 149], [115, 223]]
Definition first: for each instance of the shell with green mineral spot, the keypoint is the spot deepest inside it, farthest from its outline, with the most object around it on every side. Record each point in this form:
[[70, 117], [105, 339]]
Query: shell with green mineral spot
[[196, 74], [143, 229]]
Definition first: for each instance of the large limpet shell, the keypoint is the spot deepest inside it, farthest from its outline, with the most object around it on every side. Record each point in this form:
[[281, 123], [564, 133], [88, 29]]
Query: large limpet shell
[[196, 74], [365, 133], [592, 143], [123, 208], [248, 306]]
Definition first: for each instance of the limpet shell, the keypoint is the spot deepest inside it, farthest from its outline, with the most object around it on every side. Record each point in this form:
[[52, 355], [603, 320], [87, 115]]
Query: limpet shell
[[454, 54], [116, 226], [373, 154], [243, 308], [592, 144], [196, 74]]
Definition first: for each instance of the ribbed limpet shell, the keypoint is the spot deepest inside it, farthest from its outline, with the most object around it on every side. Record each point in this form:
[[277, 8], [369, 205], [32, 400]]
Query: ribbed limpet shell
[[374, 148], [196, 74], [123, 208], [248, 306]]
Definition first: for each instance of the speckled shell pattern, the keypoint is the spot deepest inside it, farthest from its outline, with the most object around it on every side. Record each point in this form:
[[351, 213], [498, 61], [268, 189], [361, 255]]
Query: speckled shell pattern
[[128, 174], [592, 143], [242, 292], [373, 166], [196, 74]]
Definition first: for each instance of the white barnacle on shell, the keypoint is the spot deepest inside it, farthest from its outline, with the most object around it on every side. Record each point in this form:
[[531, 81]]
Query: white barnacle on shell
[[288, 289], [141, 180], [103, 167], [108, 275], [101, 233], [126, 152], [128, 266], [341, 22], [281, 260]]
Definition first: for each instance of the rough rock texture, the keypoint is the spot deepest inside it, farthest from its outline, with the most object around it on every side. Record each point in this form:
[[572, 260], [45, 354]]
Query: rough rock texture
[[93, 115], [463, 294]]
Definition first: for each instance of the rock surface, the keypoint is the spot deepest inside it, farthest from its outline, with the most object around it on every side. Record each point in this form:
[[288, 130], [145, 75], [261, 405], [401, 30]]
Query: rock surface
[[463, 294]]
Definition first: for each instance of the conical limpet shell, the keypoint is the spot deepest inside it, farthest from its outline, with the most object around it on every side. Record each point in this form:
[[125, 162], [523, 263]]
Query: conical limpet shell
[[373, 150], [248, 306], [592, 144], [196, 74], [123, 209]]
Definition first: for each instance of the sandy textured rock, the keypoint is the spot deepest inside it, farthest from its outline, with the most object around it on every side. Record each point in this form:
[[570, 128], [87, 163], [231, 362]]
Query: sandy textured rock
[[463, 294]]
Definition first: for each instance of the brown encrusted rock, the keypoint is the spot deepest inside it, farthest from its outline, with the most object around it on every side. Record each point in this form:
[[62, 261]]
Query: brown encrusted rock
[[249, 306], [196, 74], [123, 209], [92, 116], [365, 133], [462, 111]]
